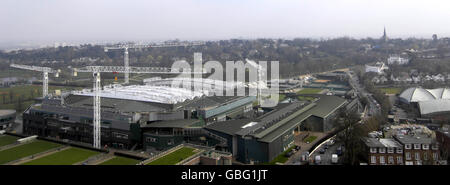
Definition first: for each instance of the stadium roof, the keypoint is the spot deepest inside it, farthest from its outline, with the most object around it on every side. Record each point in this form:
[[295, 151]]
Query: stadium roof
[[434, 106], [145, 93], [417, 94], [429, 100]]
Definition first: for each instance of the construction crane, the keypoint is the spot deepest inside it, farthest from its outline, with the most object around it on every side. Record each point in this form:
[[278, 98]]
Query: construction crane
[[96, 70], [44, 70], [125, 48]]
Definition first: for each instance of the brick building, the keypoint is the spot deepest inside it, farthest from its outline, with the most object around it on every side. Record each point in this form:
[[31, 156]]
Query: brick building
[[383, 151], [419, 149]]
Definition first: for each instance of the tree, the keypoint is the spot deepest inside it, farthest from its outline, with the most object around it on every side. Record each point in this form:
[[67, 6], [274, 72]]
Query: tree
[[350, 135]]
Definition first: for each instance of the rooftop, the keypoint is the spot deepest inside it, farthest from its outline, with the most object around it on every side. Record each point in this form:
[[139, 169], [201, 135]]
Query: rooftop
[[5, 112], [144, 93], [377, 142], [181, 123]]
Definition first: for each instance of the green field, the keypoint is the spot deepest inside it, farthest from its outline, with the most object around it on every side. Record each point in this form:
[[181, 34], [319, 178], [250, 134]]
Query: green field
[[174, 157], [280, 158], [65, 157], [309, 91], [27, 92], [305, 98], [120, 161], [25, 150], [6, 140], [391, 90], [281, 97], [310, 139]]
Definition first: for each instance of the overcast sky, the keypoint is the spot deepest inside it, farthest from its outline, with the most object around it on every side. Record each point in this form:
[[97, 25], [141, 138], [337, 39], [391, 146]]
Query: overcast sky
[[84, 20]]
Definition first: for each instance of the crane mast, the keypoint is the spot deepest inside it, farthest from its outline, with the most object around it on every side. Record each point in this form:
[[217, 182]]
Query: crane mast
[[126, 59], [44, 70], [96, 70]]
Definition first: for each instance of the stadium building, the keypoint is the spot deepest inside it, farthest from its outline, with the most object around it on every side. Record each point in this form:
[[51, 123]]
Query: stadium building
[[7, 118], [431, 103], [262, 139], [133, 115]]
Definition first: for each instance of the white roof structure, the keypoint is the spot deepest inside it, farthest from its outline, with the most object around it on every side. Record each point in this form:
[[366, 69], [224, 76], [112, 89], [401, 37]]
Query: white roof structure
[[417, 94], [429, 100], [145, 93], [433, 106], [205, 84]]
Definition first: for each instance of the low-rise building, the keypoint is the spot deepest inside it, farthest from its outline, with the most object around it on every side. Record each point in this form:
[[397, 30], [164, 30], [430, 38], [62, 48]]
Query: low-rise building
[[383, 151], [419, 149]]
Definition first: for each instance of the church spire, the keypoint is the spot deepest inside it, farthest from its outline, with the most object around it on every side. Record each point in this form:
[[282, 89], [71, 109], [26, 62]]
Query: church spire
[[384, 38]]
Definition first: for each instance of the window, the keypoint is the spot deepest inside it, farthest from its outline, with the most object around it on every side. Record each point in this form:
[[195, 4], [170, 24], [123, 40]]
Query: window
[[399, 160], [151, 139], [382, 150], [408, 146], [373, 150], [382, 160], [416, 146], [170, 142], [399, 150], [417, 156], [434, 147], [391, 159], [425, 156], [435, 156], [390, 150], [408, 156], [373, 159], [425, 146]]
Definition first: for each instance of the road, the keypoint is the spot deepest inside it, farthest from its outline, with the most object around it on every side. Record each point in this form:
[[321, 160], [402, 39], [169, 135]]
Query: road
[[373, 106], [325, 158]]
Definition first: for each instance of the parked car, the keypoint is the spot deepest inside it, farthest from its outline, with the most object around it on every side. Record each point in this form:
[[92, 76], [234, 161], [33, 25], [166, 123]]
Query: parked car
[[334, 158], [331, 142], [317, 159], [322, 151], [290, 153], [339, 151], [297, 147]]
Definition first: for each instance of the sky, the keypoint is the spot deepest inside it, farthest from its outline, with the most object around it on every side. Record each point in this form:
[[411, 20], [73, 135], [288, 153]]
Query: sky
[[148, 20]]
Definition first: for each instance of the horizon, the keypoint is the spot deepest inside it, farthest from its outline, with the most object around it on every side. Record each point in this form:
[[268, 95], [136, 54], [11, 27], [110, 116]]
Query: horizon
[[82, 21]]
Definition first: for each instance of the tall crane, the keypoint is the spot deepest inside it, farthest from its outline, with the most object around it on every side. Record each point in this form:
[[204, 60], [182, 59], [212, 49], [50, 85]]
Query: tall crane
[[125, 48], [96, 70], [44, 70]]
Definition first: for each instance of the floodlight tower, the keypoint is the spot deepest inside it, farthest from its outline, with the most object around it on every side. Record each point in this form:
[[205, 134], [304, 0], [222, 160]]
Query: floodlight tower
[[44, 70], [125, 48], [96, 70]]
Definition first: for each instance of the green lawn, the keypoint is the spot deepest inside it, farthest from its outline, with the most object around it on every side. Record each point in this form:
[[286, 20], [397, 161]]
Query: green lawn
[[393, 90], [65, 157], [309, 91], [310, 139], [25, 150], [280, 158], [28, 92], [6, 140], [174, 157], [281, 97], [305, 98], [120, 161]]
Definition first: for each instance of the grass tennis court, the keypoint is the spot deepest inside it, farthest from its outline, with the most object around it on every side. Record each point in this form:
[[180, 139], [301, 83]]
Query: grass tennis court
[[25, 150], [65, 157], [120, 161], [309, 91], [174, 157], [7, 140]]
